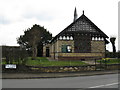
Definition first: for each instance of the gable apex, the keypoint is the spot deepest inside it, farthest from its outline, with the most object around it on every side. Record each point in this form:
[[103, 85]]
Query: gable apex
[[82, 25]]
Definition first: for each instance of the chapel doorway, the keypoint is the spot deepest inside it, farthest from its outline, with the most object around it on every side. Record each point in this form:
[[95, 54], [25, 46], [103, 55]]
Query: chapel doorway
[[47, 52]]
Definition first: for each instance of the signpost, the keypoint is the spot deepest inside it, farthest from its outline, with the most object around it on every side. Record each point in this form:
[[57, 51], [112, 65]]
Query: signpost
[[10, 66]]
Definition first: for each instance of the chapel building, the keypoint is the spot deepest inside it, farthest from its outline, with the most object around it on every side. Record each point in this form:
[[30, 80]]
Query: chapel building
[[81, 40]]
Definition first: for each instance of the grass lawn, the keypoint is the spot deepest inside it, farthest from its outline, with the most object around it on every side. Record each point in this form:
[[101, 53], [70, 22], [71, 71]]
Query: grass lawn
[[3, 62], [42, 61], [13, 62], [110, 61]]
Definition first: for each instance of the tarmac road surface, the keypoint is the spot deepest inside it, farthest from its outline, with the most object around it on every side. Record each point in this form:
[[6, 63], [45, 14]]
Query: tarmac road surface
[[96, 81]]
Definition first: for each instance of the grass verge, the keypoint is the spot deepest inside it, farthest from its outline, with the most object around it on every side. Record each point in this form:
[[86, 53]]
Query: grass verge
[[110, 61], [43, 61]]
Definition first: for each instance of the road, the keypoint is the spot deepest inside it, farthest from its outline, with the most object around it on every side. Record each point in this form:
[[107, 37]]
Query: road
[[96, 81]]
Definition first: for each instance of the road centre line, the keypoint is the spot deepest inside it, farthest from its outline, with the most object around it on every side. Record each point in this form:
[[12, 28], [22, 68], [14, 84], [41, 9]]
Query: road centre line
[[104, 85]]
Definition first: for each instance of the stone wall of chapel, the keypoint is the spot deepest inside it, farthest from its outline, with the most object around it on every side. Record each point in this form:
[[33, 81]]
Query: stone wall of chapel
[[98, 46], [59, 43]]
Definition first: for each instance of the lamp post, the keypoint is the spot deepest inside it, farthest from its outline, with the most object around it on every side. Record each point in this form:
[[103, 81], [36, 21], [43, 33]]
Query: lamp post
[[95, 64], [105, 64], [100, 64]]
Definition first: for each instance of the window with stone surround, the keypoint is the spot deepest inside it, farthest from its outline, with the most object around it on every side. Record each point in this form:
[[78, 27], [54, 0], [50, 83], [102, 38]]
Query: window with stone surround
[[66, 49]]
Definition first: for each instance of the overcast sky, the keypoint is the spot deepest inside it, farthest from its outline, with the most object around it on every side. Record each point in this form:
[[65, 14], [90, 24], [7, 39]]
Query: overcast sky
[[54, 15]]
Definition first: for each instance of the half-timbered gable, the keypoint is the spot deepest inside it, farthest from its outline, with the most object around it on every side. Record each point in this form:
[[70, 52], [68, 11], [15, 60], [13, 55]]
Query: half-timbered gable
[[81, 40]]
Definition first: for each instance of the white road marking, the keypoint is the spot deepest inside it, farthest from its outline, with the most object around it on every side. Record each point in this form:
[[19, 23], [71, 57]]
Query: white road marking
[[104, 85]]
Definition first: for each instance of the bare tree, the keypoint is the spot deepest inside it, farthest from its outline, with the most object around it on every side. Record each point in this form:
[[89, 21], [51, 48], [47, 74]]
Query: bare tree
[[112, 40]]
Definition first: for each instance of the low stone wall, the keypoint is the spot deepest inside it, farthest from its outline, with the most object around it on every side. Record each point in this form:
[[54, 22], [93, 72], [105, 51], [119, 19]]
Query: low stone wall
[[77, 58], [62, 68], [80, 56], [75, 68], [112, 67]]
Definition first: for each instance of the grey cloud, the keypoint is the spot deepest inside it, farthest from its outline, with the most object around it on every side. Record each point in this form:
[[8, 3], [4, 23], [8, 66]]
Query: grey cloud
[[4, 20], [40, 16]]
